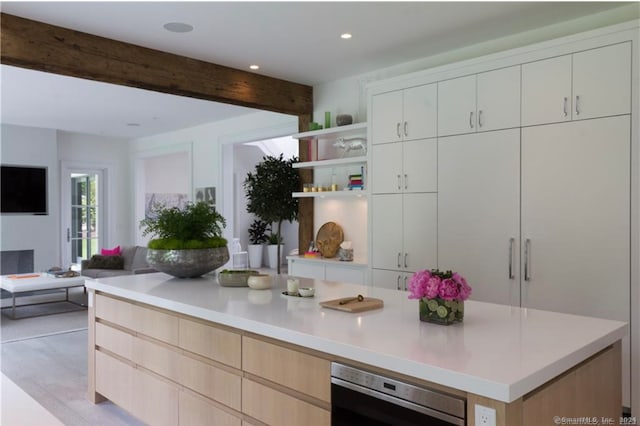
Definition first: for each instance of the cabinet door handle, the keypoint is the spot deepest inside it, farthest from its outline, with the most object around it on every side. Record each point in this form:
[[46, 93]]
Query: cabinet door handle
[[398, 129], [479, 118], [406, 181], [398, 283], [527, 259], [399, 254], [511, 244], [406, 129], [405, 283], [405, 260], [68, 235], [577, 105], [565, 109], [471, 119], [399, 182]]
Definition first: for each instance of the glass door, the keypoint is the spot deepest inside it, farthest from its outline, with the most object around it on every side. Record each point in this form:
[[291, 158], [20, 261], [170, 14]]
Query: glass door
[[84, 232]]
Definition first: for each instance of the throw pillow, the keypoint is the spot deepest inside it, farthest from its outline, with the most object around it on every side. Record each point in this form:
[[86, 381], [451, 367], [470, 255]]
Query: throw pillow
[[110, 252], [98, 261]]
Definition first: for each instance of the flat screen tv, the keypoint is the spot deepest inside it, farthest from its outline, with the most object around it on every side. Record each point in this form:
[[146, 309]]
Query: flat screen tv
[[24, 190]]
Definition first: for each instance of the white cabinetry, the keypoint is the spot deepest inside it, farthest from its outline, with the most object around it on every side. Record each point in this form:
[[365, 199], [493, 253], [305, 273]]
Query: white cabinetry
[[588, 84], [407, 114], [575, 217], [327, 269], [479, 212], [404, 167], [479, 102], [404, 237]]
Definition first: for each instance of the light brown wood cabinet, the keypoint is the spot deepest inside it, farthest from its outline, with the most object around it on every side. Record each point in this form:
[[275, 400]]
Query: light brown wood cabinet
[[165, 368]]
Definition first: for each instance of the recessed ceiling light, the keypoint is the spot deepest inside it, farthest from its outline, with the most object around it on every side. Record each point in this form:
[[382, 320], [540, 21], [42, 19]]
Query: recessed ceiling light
[[346, 36], [254, 67], [178, 27]]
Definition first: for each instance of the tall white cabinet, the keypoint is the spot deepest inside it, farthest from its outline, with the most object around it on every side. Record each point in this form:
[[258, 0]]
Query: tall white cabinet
[[532, 195], [403, 200]]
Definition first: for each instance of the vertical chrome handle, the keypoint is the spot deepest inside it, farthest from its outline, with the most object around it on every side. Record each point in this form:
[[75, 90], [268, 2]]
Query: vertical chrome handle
[[511, 244], [68, 235], [398, 129], [471, 119], [406, 182], [405, 260], [479, 118], [577, 105], [399, 182], [406, 130], [527, 259], [565, 108], [399, 254], [405, 283], [398, 283]]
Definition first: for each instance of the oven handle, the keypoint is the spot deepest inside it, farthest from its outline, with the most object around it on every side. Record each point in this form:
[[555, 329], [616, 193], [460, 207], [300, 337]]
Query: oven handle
[[397, 401]]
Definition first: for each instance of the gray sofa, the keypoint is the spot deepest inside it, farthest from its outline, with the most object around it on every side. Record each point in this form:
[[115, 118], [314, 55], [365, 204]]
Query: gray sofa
[[135, 262]]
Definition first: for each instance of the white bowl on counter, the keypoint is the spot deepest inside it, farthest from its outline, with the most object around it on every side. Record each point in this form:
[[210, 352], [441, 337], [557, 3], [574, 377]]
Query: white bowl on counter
[[306, 291], [259, 281]]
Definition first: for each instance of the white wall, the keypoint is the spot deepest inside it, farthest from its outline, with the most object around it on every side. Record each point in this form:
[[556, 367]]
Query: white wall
[[33, 147], [205, 144]]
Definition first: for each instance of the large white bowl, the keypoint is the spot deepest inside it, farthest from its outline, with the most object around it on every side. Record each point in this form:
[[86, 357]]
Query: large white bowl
[[259, 281]]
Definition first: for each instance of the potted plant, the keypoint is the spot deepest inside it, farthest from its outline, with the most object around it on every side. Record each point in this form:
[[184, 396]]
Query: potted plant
[[269, 190], [257, 237], [273, 251], [188, 241]]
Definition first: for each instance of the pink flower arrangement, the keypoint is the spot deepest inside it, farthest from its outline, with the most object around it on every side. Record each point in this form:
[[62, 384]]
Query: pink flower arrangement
[[433, 284]]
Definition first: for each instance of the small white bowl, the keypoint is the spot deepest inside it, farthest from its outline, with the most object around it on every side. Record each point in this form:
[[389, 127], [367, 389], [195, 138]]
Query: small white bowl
[[259, 281], [306, 291]]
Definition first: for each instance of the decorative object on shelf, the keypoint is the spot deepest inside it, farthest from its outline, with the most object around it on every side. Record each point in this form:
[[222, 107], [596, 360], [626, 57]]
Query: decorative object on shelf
[[343, 119], [189, 240], [235, 278], [345, 252], [441, 295], [356, 181], [314, 126], [351, 144], [257, 238], [269, 190], [327, 119], [328, 240]]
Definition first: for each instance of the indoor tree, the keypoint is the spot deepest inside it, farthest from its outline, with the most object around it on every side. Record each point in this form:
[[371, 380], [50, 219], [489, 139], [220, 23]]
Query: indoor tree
[[269, 190]]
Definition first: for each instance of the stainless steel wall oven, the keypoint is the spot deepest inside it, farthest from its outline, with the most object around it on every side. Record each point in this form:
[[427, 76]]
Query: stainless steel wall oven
[[362, 398]]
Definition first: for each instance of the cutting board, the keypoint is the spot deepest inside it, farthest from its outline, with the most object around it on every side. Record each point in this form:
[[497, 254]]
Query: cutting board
[[367, 304]]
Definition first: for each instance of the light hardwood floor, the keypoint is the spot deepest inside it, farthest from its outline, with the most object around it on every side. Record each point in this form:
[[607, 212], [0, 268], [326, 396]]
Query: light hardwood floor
[[53, 371]]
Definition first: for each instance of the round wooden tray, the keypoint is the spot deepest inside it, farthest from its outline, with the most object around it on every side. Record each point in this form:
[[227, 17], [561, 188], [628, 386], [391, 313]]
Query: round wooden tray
[[328, 240]]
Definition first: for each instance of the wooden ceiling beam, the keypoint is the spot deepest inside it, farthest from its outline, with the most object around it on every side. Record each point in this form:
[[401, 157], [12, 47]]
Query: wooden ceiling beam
[[43, 47]]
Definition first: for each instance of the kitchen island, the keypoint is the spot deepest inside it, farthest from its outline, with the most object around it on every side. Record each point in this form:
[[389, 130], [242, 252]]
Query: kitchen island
[[186, 351]]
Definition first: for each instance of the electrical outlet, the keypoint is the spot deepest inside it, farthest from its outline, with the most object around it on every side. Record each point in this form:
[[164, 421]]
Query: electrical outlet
[[485, 416]]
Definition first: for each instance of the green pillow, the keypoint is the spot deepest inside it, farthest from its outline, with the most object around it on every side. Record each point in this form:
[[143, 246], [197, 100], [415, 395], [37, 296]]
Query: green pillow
[[98, 261]]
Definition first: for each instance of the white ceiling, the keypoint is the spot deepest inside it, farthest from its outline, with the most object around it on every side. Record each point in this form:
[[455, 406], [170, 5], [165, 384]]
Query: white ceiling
[[296, 41]]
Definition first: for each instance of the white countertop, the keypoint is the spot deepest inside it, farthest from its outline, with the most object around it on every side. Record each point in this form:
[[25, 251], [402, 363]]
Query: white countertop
[[355, 263], [499, 352]]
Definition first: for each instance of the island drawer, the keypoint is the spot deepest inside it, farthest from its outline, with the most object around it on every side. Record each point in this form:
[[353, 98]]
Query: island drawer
[[195, 410], [213, 382], [296, 370], [149, 322], [211, 342], [266, 405]]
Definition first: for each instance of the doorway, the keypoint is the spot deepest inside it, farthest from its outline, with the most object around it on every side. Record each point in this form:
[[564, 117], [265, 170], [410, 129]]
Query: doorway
[[83, 214]]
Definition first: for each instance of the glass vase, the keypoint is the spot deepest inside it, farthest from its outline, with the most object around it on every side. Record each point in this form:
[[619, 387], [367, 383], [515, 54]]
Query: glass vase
[[440, 311]]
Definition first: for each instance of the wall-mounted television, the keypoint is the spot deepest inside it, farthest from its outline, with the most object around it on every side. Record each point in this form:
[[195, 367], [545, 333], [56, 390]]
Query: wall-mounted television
[[23, 190]]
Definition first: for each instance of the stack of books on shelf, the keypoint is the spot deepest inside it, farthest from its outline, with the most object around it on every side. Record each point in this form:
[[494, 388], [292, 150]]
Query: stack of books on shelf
[[355, 182]]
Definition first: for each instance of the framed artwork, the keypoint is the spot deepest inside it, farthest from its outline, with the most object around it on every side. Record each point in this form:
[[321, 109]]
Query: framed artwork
[[206, 194], [155, 200]]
